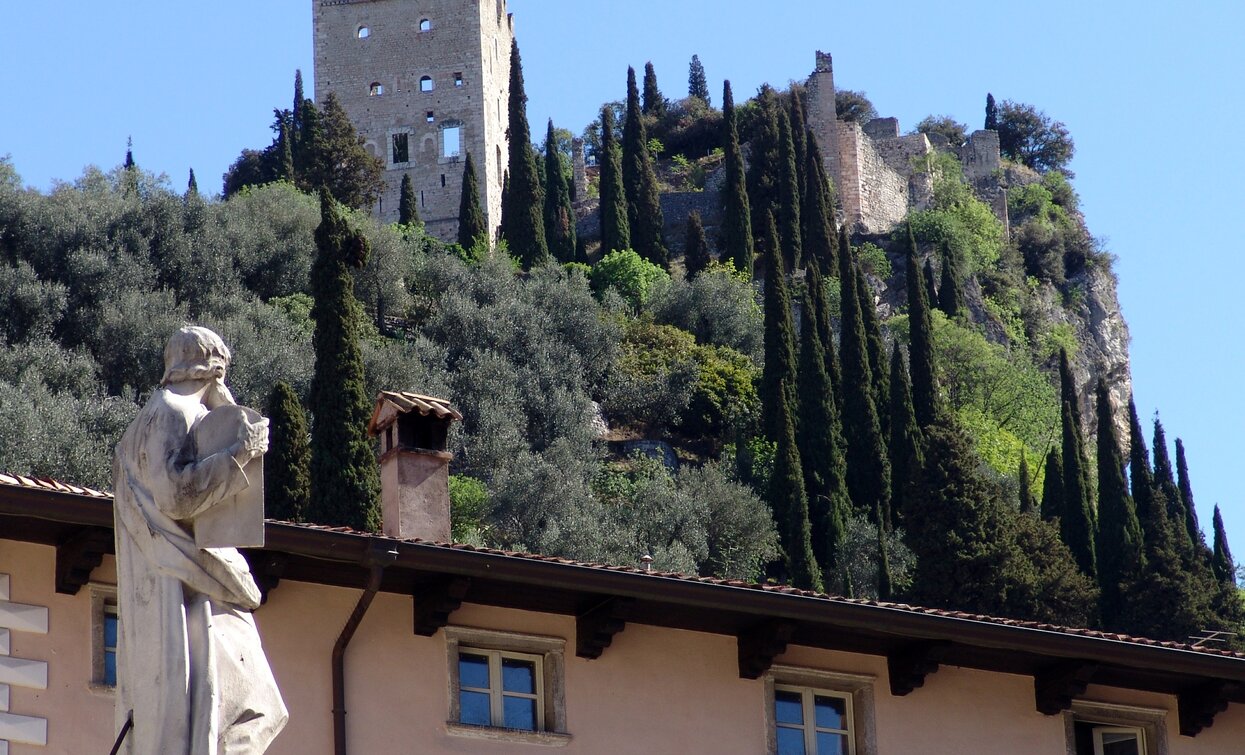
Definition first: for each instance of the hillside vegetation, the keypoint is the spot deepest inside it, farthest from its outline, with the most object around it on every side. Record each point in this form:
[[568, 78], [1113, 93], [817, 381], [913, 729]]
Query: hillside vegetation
[[892, 417]]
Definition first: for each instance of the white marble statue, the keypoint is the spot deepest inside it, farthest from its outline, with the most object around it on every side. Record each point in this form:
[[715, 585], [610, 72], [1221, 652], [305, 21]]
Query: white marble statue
[[191, 668]]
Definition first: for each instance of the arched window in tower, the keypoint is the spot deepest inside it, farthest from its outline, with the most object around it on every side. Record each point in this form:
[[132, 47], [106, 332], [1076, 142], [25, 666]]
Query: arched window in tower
[[425, 25], [425, 84], [377, 89], [363, 32]]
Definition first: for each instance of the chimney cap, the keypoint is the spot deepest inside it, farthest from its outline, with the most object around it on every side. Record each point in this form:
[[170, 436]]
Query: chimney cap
[[390, 405]]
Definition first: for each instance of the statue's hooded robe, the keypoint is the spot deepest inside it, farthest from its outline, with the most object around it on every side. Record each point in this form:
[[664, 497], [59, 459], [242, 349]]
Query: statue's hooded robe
[[191, 667]]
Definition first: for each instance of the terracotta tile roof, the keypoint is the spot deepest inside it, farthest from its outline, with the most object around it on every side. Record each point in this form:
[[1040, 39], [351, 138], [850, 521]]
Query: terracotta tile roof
[[44, 483], [59, 487], [392, 403]]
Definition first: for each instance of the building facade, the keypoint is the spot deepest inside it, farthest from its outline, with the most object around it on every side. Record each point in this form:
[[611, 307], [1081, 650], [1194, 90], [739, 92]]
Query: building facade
[[425, 82]]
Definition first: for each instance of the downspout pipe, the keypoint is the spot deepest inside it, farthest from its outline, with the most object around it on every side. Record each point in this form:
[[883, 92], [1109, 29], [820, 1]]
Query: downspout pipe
[[379, 555]]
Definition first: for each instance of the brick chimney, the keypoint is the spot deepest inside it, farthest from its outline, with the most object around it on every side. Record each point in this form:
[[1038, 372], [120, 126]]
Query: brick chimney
[[414, 464]]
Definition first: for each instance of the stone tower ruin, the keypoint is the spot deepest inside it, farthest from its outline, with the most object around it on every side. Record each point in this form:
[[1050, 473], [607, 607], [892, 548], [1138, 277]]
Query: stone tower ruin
[[426, 82]]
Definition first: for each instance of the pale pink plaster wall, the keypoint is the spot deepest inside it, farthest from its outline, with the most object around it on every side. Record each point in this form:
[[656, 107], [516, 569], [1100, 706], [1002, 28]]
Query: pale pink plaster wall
[[654, 691], [79, 718]]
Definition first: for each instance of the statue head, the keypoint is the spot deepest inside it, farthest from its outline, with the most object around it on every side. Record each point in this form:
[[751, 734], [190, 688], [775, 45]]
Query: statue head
[[194, 353]]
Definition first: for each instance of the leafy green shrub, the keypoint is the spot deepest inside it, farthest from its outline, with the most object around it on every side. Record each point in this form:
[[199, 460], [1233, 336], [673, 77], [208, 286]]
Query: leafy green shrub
[[873, 260], [719, 307], [960, 222], [469, 508], [629, 274], [725, 396]]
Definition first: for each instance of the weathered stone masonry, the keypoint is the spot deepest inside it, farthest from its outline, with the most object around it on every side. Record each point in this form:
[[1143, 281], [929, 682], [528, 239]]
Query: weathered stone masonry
[[425, 82]]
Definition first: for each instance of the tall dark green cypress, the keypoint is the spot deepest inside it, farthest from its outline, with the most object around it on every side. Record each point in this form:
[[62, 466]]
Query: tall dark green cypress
[[764, 171], [1068, 388], [951, 287], [654, 102], [525, 201], [408, 203], [906, 456], [820, 441], [287, 465], [1077, 523], [615, 230], [1119, 547], [1052, 486], [472, 226], [1165, 483], [879, 370], [921, 342], [779, 374], [644, 213], [790, 505], [789, 196], [868, 468], [345, 479], [736, 211], [192, 186], [1141, 479], [931, 282], [696, 256], [1225, 567], [1185, 488], [820, 243], [285, 146], [559, 214], [1026, 485], [800, 139], [825, 330], [992, 114]]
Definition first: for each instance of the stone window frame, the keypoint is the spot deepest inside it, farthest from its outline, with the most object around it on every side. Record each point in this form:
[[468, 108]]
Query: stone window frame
[[858, 688], [376, 89], [425, 25], [363, 32], [550, 651], [410, 148], [103, 597], [1151, 721], [442, 156], [432, 84]]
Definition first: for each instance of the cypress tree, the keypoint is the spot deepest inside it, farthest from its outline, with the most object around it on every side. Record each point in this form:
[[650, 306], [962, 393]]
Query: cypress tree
[[345, 480], [790, 505], [799, 139], [1141, 479], [1120, 548], [868, 469], [1067, 386], [1052, 487], [285, 148], [950, 289], [825, 330], [789, 196], [697, 83], [931, 282], [879, 371], [559, 214], [296, 110], [817, 213], [921, 343], [906, 457], [820, 441], [525, 200], [1186, 495], [472, 226], [1076, 521], [992, 114], [764, 171], [736, 211], [192, 186], [408, 203], [779, 374], [696, 252], [129, 154], [615, 230], [654, 102], [287, 465], [1225, 567], [1026, 485], [644, 215], [1165, 483]]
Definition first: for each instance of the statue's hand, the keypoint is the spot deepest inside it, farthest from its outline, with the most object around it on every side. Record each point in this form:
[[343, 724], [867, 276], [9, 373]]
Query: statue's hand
[[252, 441]]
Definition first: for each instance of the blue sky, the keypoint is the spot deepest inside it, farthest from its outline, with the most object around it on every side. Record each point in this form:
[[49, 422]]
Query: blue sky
[[1150, 91]]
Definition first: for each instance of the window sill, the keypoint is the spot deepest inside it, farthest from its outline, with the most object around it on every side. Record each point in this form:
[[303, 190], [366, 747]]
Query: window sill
[[517, 736], [104, 690]]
